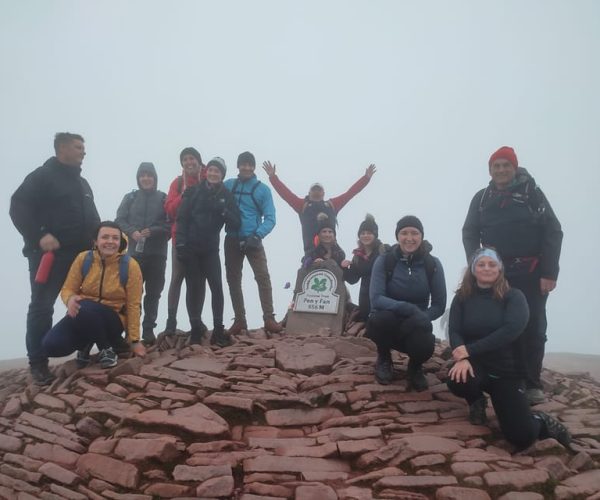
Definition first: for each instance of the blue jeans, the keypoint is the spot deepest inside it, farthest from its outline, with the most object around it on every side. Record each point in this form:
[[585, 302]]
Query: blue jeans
[[94, 324]]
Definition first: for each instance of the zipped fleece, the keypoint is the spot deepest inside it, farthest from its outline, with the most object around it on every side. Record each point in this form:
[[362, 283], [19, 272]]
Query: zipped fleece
[[102, 284]]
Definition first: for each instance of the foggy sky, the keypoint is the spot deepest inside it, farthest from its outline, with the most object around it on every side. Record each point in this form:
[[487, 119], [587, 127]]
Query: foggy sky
[[426, 90]]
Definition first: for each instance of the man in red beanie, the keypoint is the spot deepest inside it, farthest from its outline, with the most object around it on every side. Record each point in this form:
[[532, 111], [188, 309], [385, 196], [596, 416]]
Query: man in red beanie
[[513, 216]]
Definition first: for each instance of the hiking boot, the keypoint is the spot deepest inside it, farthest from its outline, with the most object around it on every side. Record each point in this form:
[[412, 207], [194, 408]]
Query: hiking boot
[[535, 396], [272, 326], [552, 428], [197, 333], [171, 325], [416, 378], [220, 338], [238, 326], [477, 415], [82, 358], [384, 368], [148, 337], [41, 374], [107, 358]]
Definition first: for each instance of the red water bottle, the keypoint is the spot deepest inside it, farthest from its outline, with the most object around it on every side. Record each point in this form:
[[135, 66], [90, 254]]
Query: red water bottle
[[44, 268]]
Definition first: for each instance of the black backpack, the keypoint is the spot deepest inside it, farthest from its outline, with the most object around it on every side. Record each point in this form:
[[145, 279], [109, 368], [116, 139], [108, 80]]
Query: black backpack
[[391, 259]]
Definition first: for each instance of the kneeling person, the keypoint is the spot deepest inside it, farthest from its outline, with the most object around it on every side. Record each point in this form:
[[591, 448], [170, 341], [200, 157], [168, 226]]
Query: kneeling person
[[102, 293], [407, 292]]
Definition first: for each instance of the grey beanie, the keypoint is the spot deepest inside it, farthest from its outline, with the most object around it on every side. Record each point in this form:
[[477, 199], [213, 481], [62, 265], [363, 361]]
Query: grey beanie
[[218, 162]]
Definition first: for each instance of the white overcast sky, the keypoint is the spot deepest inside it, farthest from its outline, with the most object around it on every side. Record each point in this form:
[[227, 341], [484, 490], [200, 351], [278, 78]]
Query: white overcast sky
[[426, 90]]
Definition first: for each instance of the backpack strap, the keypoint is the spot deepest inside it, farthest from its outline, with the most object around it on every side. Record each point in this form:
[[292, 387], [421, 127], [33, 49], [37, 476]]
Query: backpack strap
[[123, 267], [251, 193], [391, 260], [180, 184]]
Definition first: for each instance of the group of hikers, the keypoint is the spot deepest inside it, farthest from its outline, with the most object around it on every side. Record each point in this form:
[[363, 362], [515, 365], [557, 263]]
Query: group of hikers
[[497, 322]]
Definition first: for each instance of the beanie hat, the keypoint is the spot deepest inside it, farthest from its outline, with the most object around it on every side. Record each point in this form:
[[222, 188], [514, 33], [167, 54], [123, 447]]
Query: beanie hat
[[370, 225], [246, 157], [506, 153], [218, 162], [409, 221], [190, 151], [325, 222]]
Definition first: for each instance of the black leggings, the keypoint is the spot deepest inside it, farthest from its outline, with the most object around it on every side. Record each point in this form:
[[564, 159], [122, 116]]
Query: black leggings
[[200, 268], [510, 404], [94, 324], [389, 331]]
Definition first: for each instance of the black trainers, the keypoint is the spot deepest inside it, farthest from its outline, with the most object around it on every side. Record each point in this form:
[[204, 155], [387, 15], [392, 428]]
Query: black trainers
[[41, 374], [477, 415], [107, 358], [82, 358], [552, 428], [416, 378], [197, 333], [384, 368], [220, 338], [148, 337]]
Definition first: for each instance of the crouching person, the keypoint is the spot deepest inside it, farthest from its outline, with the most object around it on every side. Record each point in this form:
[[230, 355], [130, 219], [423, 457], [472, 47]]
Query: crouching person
[[407, 293], [487, 317], [102, 293]]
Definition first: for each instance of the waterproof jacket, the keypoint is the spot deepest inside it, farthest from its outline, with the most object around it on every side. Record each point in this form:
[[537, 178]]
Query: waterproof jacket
[[308, 210], [320, 252], [407, 290], [202, 214], [360, 269], [256, 207], [55, 199], [176, 190], [519, 222], [103, 284], [144, 208], [488, 328]]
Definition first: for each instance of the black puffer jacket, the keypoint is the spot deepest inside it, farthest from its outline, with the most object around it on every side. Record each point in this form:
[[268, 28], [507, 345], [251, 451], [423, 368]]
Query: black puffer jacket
[[203, 212], [55, 199], [517, 221], [144, 208]]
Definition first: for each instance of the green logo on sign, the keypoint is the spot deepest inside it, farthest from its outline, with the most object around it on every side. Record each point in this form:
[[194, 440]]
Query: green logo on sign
[[319, 285]]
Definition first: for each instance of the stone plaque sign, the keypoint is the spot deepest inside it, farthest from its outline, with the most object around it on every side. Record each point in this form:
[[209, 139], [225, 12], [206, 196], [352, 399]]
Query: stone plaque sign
[[318, 293]]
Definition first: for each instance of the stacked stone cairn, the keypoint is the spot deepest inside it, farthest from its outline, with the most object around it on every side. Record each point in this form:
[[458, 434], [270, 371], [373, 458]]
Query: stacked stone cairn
[[278, 418]]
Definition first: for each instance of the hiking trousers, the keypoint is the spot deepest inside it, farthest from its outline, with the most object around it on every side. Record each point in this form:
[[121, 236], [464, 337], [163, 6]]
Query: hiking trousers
[[43, 297], [153, 273], [518, 425], [95, 323], [390, 331], [200, 268], [234, 261]]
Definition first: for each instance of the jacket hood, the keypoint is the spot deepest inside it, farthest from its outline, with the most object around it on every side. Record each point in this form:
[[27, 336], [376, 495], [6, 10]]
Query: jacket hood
[[522, 177], [54, 163], [147, 167]]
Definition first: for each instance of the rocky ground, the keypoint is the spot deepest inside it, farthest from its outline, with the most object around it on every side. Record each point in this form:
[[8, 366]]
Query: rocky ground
[[278, 418]]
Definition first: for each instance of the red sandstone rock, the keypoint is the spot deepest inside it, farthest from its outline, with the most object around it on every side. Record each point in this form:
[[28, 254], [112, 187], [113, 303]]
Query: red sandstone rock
[[308, 358], [469, 468], [415, 481], [294, 464], [63, 492], [167, 490], [200, 473], [428, 460], [589, 480], [198, 364], [221, 486], [293, 417], [51, 453], [58, 473], [245, 404], [197, 419], [109, 469], [516, 479], [10, 443], [314, 491], [521, 495], [458, 493], [272, 490], [359, 446], [137, 450], [322, 451]]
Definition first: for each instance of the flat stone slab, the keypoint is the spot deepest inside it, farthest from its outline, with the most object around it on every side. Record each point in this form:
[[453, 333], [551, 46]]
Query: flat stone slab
[[200, 364], [308, 358], [197, 419], [294, 464], [293, 417]]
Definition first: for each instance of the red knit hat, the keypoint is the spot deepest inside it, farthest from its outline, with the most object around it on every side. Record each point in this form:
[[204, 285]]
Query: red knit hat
[[506, 153]]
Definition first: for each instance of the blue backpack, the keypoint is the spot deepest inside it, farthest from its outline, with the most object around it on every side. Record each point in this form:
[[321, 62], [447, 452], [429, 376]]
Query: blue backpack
[[123, 267]]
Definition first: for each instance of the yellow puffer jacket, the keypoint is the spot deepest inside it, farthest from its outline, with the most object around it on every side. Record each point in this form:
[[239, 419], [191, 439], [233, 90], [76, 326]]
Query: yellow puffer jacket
[[102, 284]]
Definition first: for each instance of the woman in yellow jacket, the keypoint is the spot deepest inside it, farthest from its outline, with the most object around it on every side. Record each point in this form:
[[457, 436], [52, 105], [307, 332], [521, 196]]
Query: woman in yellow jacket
[[103, 298]]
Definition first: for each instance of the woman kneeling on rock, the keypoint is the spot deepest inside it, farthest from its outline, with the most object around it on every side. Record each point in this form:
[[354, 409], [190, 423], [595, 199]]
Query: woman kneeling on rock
[[486, 317], [407, 293], [102, 292]]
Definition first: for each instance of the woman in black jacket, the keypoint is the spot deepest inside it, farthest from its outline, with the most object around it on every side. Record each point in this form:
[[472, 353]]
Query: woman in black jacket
[[328, 247], [369, 248], [204, 209], [486, 318]]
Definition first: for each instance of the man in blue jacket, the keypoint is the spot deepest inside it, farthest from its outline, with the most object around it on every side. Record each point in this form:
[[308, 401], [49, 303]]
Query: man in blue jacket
[[255, 202]]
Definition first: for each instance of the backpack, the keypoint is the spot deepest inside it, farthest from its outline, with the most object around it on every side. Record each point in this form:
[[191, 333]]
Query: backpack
[[391, 260], [123, 267], [251, 193]]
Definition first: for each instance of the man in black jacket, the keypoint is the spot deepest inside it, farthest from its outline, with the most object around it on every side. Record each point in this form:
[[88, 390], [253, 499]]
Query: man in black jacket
[[54, 211], [513, 216], [142, 217]]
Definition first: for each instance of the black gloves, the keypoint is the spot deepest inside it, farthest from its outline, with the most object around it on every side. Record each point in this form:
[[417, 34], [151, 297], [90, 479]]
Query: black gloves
[[251, 243]]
